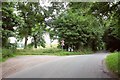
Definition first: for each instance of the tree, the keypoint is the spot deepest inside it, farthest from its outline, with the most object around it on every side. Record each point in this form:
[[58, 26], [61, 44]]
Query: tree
[[37, 33], [79, 29], [108, 14], [9, 22], [51, 13], [97, 23], [33, 18]]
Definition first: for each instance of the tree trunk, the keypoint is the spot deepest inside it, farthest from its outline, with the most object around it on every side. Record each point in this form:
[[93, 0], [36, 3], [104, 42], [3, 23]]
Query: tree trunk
[[51, 43], [4, 41], [26, 39], [35, 42]]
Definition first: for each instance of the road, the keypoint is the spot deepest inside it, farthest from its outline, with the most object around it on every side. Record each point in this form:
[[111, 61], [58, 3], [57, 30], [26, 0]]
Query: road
[[78, 66]]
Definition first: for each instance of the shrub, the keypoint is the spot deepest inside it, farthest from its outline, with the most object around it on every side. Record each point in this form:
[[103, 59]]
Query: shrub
[[8, 53]]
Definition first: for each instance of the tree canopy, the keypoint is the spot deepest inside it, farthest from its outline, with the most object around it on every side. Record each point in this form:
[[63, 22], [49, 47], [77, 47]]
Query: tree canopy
[[92, 25]]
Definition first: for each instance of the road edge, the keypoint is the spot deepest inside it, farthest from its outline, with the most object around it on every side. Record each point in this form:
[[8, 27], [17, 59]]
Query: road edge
[[108, 72]]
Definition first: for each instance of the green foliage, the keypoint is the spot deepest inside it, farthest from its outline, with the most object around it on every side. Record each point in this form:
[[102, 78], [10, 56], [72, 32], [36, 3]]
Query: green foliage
[[0, 55], [33, 22], [51, 51], [6, 53], [84, 24], [38, 51], [0, 58], [81, 25], [9, 21], [112, 62], [79, 29], [11, 46], [37, 33], [85, 51], [108, 15], [54, 50]]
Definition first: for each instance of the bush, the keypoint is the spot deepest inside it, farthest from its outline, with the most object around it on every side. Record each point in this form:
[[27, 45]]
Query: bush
[[11, 46], [6, 53], [112, 62]]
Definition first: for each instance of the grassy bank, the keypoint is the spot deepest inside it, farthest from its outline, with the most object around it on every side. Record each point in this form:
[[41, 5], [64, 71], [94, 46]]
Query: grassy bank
[[113, 62], [51, 51], [8, 53], [0, 58]]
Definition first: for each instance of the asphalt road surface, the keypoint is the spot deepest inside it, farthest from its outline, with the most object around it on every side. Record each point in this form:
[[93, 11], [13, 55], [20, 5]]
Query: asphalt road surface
[[78, 66]]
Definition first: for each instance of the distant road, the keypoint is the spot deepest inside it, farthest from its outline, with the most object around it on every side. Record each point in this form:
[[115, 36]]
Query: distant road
[[78, 66]]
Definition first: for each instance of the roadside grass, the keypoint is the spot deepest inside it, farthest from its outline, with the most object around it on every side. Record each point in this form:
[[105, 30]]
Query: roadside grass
[[0, 57], [8, 53], [50, 51], [113, 62]]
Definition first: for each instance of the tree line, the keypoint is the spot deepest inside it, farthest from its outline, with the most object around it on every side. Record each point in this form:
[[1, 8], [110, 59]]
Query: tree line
[[81, 25]]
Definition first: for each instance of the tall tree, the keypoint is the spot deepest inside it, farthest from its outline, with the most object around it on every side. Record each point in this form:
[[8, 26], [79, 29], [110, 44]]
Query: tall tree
[[51, 13], [9, 22], [78, 28], [109, 14], [32, 16]]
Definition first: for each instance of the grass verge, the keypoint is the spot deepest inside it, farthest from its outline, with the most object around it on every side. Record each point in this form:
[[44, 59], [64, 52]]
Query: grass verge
[[113, 62], [51, 51], [0, 55], [7, 53], [0, 58]]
